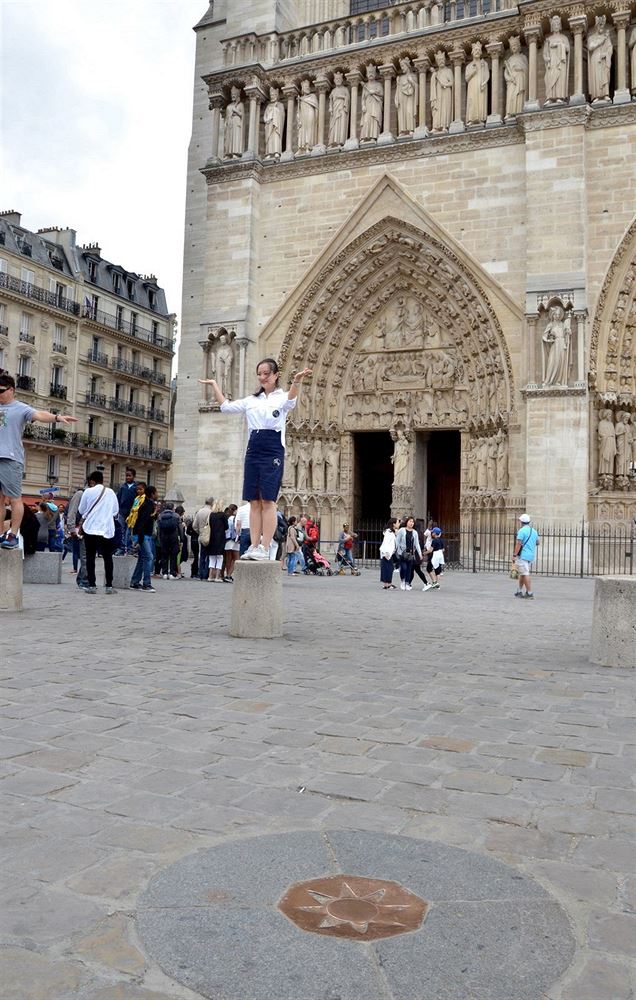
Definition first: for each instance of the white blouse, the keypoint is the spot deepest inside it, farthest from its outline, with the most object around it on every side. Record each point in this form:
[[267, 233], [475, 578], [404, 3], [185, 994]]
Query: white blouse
[[263, 413]]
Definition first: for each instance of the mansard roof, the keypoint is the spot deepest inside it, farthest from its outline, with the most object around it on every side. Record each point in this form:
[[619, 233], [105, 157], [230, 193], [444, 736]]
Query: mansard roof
[[143, 288], [33, 248]]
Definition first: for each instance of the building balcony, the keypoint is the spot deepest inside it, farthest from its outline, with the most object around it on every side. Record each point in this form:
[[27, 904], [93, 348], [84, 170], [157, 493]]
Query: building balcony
[[158, 415], [27, 338], [38, 294], [49, 434], [128, 328], [58, 391], [59, 348], [124, 406], [130, 368], [4, 331], [97, 358], [25, 382], [95, 399]]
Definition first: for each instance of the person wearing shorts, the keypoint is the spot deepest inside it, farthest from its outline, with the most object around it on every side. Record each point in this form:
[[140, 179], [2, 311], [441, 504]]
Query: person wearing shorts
[[524, 555], [13, 417], [435, 562], [266, 413]]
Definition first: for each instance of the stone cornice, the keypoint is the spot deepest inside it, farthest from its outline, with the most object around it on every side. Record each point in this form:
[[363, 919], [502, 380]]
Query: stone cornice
[[553, 390]]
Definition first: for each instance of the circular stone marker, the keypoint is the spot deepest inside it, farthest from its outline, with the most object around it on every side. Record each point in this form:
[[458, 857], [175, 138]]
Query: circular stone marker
[[231, 922]]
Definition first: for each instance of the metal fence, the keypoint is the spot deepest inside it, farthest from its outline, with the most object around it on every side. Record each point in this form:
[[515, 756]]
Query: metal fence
[[580, 550]]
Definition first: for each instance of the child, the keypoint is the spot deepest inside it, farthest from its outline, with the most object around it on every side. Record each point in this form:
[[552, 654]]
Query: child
[[435, 564]]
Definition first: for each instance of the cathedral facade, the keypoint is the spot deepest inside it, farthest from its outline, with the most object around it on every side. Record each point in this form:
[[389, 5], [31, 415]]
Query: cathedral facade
[[433, 206]]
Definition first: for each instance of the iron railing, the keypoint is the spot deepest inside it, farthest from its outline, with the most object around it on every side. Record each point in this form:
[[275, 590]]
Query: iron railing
[[38, 294], [59, 436], [57, 390], [128, 327], [25, 382]]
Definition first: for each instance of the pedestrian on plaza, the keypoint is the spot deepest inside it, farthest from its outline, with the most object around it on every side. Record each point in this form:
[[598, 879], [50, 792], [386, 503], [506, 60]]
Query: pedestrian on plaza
[[77, 541], [242, 524], [387, 554], [216, 547], [98, 509], [344, 553], [201, 528], [14, 415], [168, 525], [301, 537], [524, 555], [292, 547], [126, 496], [44, 518], [232, 545], [408, 551], [183, 538], [141, 522], [266, 413], [435, 558]]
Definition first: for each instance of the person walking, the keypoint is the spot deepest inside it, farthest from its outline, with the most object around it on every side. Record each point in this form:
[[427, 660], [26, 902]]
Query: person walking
[[435, 558], [242, 525], [168, 526], [524, 555], [408, 550], [216, 546], [232, 545], [266, 414], [292, 548], [141, 523], [126, 495], [387, 554], [201, 530], [98, 509]]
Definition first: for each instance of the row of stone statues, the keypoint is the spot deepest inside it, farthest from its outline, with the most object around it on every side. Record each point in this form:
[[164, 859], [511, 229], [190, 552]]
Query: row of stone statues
[[312, 463], [616, 449], [487, 463], [442, 83]]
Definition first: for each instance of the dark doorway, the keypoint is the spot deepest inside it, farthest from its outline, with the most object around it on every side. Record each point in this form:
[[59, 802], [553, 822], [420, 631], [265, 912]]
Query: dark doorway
[[373, 479], [443, 478]]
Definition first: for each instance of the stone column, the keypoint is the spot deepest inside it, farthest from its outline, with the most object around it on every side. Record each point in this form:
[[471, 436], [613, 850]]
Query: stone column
[[532, 34], [215, 105], [578, 26], [621, 94], [321, 86], [387, 72], [353, 79], [256, 96], [290, 92], [457, 58], [11, 580], [581, 349], [494, 50], [274, 48], [532, 381], [422, 66], [242, 343]]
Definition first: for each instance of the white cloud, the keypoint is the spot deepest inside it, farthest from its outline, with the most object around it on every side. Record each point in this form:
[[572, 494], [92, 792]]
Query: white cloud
[[96, 120]]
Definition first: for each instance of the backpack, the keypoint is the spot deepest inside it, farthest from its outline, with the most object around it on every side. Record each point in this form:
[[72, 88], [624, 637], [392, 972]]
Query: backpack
[[282, 528], [204, 534]]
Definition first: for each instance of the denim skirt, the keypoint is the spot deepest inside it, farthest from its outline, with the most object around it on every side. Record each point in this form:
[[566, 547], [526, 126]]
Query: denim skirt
[[264, 466]]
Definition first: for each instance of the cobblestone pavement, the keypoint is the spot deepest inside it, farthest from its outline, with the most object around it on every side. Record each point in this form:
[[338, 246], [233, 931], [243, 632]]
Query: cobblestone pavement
[[136, 731]]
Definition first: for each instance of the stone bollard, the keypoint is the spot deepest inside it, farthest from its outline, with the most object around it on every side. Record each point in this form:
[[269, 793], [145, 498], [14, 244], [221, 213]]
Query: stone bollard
[[257, 600], [614, 622], [10, 580], [43, 567], [123, 568]]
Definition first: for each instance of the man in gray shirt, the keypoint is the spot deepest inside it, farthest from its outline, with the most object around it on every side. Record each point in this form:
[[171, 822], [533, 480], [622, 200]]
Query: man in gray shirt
[[13, 416]]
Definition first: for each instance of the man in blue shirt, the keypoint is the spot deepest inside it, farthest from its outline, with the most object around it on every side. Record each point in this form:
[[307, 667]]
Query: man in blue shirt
[[125, 498], [524, 554]]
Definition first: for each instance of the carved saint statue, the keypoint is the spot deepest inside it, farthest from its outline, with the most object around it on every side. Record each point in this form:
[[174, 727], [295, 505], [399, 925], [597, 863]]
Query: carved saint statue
[[502, 460], [606, 443], [371, 105], [482, 464], [556, 57], [406, 97], [556, 338], [332, 456], [233, 144], [491, 463], [302, 465], [338, 112], [516, 76], [401, 460], [441, 93], [274, 119], [307, 118], [623, 443], [477, 77], [599, 59], [223, 361], [317, 466]]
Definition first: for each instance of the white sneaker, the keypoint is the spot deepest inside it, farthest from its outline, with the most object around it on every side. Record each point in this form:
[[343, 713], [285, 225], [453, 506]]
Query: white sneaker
[[408, 587], [403, 585], [260, 554], [249, 552], [170, 577], [164, 576], [427, 586]]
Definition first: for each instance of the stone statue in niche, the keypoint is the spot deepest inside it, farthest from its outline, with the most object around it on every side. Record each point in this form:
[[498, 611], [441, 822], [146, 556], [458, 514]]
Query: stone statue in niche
[[623, 433], [491, 460], [473, 458], [441, 93], [477, 77], [338, 112], [599, 60], [556, 57], [289, 475], [332, 458], [516, 77], [402, 457], [233, 143], [406, 97], [317, 466], [223, 363], [556, 352], [274, 119], [371, 105], [502, 460], [307, 120], [482, 464], [606, 444], [302, 464]]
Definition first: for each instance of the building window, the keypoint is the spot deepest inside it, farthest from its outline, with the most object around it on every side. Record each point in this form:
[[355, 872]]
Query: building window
[[150, 477], [53, 468], [3, 317], [24, 365], [59, 337], [120, 352], [1, 358], [151, 439], [115, 432], [118, 390], [92, 270], [116, 282], [152, 299], [95, 345], [119, 317], [130, 288], [133, 323], [92, 422], [57, 376], [155, 331], [25, 323], [3, 266], [131, 436], [133, 396], [94, 385], [27, 276]]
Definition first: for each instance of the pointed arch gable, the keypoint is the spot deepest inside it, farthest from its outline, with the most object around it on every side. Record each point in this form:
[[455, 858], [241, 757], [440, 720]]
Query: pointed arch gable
[[613, 341]]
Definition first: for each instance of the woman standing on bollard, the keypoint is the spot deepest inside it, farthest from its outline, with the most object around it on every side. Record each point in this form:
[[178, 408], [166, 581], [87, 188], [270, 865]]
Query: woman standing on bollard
[[266, 413]]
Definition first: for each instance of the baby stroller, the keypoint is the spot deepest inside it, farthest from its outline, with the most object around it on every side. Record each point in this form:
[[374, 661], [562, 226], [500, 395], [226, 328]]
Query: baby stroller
[[315, 562], [344, 560]]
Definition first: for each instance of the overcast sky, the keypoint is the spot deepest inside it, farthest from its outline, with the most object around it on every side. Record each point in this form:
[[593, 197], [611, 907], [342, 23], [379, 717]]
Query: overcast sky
[[96, 118]]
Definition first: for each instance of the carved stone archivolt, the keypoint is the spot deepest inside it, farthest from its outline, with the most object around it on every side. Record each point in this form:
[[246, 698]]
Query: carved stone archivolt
[[612, 367]]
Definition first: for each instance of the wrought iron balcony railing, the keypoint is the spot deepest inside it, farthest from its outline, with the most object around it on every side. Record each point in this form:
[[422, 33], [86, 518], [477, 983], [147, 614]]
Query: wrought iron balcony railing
[[95, 399], [38, 294], [27, 338], [58, 391], [25, 382], [128, 327], [59, 348]]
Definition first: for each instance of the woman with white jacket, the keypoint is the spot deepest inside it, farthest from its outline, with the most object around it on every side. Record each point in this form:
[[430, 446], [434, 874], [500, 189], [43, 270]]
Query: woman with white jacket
[[387, 551], [408, 551]]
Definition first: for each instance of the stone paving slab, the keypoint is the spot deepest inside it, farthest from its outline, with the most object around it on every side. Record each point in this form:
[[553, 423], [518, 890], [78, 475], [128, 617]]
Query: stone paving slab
[[520, 754]]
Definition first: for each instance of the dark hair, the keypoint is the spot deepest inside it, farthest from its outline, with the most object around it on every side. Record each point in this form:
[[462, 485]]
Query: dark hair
[[390, 524], [95, 477], [292, 520], [273, 367], [179, 510], [6, 381], [151, 491], [405, 519], [129, 468], [141, 483], [167, 505]]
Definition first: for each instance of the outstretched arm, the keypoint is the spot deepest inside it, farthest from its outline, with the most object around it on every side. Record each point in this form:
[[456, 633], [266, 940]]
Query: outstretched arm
[[297, 382], [45, 417], [218, 395]]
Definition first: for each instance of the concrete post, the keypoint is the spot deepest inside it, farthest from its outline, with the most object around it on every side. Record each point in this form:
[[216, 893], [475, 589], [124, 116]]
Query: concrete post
[[614, 622], [11, 580], [257, 600]]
